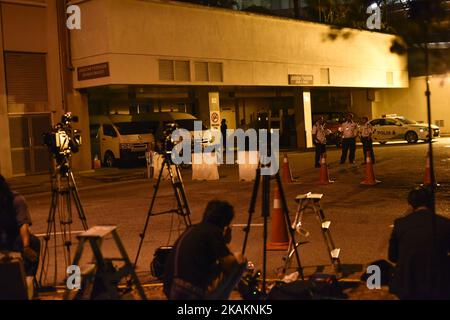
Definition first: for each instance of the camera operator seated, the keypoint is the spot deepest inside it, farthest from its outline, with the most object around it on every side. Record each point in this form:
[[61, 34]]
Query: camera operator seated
[[201, 265], [15, 222]]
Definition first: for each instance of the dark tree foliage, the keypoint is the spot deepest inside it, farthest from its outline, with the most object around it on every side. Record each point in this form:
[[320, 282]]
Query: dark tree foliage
[[230, 4], [260, 10], [419, 23]]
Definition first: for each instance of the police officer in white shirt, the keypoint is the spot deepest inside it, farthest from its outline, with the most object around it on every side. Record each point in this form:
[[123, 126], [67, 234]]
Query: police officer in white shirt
[[349, 131], [319, 139], [366, 138]]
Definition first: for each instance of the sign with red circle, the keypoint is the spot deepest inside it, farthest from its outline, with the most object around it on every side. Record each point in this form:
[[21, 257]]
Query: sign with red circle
[[215, 118]]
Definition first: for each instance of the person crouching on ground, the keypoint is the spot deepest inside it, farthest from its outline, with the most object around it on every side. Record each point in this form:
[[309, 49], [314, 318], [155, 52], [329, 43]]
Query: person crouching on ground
[[200, 265], [422, 268]]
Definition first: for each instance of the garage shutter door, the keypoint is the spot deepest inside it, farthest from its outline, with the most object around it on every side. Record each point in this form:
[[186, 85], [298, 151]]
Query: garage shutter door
[[26, 78]]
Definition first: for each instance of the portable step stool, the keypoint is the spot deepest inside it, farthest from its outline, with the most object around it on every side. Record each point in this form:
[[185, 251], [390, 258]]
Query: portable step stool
[[312, 201], [103, 272]]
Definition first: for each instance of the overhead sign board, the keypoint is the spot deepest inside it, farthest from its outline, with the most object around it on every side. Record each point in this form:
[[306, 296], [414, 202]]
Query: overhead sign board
[[93, 71], [301, 79]]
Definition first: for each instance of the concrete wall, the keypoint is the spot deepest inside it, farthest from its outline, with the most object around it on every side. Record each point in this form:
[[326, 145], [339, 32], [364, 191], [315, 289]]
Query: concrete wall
[[32, 26], [361, 104], [255, 50], [24, 22], [5, 146], [411, 102], [25, 28]]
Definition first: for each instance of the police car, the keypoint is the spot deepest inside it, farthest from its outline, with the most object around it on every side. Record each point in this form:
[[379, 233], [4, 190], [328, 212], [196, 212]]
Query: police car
[[393, 127]]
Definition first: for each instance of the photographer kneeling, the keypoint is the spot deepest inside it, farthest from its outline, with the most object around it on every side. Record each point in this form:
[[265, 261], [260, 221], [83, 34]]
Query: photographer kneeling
[[15, 222], [201, 265]]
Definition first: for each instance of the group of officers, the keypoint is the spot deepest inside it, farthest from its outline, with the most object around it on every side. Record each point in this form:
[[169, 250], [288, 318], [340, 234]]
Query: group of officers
[[350, 130]]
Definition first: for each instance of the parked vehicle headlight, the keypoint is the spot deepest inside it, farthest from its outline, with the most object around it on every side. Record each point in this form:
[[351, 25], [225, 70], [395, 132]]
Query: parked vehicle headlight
[[423, 129]]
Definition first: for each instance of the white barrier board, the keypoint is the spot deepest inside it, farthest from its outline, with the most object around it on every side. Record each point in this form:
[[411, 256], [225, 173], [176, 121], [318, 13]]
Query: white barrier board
[[248, 163], [204, 167]]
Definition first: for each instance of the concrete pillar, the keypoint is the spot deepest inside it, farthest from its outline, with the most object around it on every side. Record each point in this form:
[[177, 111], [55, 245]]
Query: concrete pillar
[[5, 145], [208, 100], [78, 104], [303, 118], [54, 65], [203, 105], [214, 105], [237, 113]]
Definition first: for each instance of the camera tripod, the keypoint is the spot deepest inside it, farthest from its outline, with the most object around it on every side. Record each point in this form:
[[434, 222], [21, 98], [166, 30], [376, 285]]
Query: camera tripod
[[265, 208], [180, 195], [64, 191]]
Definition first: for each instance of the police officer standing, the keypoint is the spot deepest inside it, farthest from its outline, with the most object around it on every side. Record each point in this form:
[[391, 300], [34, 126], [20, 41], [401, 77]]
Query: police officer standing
[[366, 139], [349, 131], [319, 139]]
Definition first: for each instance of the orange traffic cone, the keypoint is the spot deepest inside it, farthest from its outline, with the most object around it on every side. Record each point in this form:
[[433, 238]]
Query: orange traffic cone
[[279, 234], [324, 178], [286, 176], [427, 179], [370, 175], [96, 163]]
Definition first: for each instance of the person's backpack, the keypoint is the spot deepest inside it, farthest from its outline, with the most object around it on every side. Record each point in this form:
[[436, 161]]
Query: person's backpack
[[326, 287], [296, 290], [318, 287], [387, 271], [158, 264]]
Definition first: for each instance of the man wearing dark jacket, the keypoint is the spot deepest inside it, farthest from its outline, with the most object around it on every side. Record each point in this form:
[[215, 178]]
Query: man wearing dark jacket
[[15, 222], [201, 266], [422, 268]]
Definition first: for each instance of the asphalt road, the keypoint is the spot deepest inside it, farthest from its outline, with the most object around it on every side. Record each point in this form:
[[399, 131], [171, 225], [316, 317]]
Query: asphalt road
[[361, 216]]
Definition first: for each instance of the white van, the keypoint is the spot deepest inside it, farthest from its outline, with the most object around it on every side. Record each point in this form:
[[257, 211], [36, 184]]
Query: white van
[[117, 139], [158, 120]]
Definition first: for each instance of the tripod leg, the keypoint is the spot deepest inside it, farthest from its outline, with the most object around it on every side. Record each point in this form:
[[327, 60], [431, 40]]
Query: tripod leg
[[149, 213], [75, 195], [288, 221], [265, 213], [50, 225], [178, 188], [66, 221], [251, 208]]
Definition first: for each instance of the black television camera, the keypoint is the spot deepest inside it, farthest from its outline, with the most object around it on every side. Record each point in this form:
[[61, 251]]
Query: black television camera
[[167, 142], [63, 140]]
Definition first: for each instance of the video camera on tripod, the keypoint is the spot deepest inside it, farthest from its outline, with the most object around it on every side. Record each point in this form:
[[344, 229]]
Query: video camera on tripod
[[63, 140], [167, 142]]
